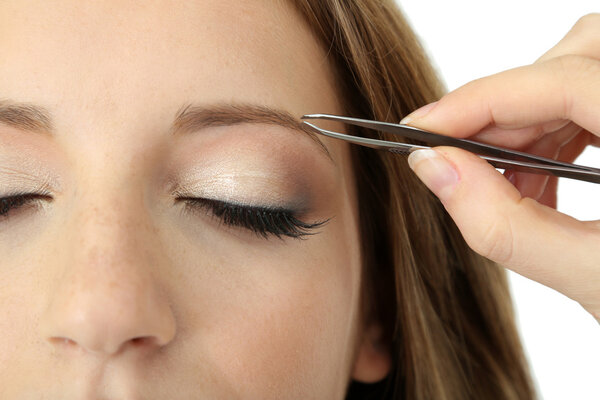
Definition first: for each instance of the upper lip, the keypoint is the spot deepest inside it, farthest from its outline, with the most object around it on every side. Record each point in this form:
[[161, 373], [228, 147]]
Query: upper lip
[[102, 381]]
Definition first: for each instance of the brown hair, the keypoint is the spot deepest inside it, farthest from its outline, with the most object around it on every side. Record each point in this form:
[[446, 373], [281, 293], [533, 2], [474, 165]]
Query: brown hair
[[446, 311]]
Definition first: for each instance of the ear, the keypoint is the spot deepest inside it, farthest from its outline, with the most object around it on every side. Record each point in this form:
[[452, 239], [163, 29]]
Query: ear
[[373, 361]]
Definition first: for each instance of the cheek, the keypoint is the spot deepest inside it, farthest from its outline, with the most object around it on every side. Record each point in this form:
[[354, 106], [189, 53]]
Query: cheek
[[12, 325], [20, 303], [270, 327], [291, 339]]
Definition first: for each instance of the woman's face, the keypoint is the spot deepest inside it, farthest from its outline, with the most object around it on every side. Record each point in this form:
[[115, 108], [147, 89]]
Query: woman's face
[[114, 282]]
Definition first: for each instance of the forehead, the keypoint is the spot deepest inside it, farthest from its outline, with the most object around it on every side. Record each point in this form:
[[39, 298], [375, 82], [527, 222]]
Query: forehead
[[95, 54]]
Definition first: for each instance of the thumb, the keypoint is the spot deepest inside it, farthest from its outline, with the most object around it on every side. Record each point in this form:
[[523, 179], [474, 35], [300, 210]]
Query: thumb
[[521, 234]]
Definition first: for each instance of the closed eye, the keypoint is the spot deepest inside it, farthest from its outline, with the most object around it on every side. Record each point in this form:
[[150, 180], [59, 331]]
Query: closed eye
[[16, 202], [262, 220]]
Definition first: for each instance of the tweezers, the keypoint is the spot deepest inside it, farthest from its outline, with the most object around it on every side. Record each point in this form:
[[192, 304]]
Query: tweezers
[[497, 156]]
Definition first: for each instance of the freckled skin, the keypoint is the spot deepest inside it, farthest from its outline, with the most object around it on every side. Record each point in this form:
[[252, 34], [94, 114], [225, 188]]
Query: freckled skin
[[224, 314]]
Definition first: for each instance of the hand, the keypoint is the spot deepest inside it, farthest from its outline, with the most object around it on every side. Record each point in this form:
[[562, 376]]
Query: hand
[[550, 108]]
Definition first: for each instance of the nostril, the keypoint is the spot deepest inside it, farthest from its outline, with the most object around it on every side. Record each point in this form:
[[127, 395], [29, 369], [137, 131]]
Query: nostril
[[142, 341], [139, 341]]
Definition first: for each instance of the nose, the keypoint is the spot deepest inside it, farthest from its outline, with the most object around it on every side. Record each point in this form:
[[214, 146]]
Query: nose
[[107, 297]]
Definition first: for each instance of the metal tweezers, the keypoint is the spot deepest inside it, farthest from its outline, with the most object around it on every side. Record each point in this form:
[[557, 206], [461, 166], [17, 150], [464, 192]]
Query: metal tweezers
[[496, 156]]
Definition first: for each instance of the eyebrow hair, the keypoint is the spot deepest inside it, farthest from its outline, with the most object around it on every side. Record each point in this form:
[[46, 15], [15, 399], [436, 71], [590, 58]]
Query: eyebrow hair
[[189, 118], [26, 117], [194, 118]]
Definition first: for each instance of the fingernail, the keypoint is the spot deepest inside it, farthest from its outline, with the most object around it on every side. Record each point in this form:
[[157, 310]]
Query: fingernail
[[418, 113], [434, 170]]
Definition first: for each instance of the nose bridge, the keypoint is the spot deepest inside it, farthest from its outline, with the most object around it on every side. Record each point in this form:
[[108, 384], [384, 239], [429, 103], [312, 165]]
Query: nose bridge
[[109, 230], [109, 293], [112, 216]]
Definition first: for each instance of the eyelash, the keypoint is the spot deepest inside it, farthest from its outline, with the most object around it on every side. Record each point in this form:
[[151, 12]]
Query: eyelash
[[17, 201], [263, 221]]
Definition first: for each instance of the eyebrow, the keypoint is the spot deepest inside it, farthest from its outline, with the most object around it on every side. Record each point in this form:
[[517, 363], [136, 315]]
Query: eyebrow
[[191, 119], [188, 119], [25, 117]]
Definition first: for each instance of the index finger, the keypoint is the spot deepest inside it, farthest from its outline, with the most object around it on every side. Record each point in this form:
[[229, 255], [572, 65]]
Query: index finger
[[565, 87]]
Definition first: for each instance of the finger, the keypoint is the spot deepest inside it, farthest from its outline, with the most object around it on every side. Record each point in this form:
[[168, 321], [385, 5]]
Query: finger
[[583, 39], [517, 232], [534, 185], [573, 148], [566, 87], [568, 153], [549, 197], [518, 139]]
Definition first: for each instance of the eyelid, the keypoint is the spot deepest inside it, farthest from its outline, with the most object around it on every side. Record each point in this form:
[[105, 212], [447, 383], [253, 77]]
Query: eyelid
[[233, 203], [268, 198], [20, 202], [262, 220]]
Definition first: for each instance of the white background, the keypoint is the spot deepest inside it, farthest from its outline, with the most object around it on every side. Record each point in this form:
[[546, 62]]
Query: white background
[[470, 39]]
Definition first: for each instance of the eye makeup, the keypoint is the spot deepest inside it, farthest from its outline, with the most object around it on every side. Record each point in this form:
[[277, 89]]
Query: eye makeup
[[257, 179], [264, 200], [18, 202], [261, 220], [32, 187]]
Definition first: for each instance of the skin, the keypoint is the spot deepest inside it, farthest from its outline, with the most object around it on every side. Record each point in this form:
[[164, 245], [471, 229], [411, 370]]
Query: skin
[[109, 289], [547, 109]]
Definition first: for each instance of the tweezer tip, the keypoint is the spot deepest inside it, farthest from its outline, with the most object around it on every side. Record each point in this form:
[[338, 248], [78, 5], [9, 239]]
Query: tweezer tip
[[305, 123], [312, 116]]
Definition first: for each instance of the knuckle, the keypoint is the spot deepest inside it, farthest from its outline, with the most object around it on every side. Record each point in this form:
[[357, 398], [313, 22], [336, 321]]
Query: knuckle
[[588, 22], [585, 35], [583, 38]]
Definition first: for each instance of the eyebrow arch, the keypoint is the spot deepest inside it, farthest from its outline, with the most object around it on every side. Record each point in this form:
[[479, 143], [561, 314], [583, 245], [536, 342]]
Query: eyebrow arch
[[194, 118], [26, 117], [189, 118]]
